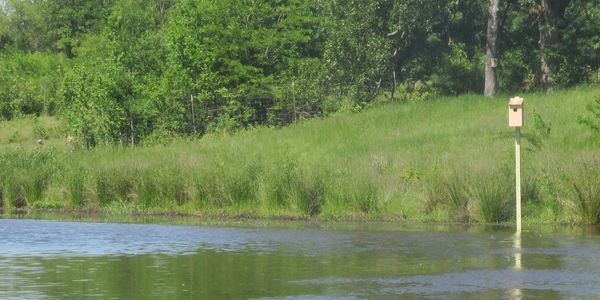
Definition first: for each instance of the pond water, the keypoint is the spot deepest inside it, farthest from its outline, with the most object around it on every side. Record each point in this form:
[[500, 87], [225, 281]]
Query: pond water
[[43, 259]]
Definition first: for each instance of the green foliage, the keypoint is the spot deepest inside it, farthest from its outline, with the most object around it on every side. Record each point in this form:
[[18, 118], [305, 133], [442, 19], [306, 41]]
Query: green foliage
[[93, 100], [383, 162], [449, 192], [69, 21], [356, 52], [39, 131], [114, 186], [586, 193], [493, 198], [310, 197], [539, 133], [301, 93], [13, 197], [439, 42], [237, 85], [282, 178], [457, 63], [25, 176], [592, 120], [28, 83], [15, 137], [367, 197], [131, 72], [580, 43], [515, 72], [76, 187]]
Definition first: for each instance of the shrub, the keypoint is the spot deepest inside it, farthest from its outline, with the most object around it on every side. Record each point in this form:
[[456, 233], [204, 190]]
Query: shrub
[[593, 119], [39, 132]]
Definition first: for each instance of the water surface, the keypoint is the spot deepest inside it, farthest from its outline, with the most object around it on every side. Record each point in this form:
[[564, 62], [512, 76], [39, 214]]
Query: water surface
[[42, 259]]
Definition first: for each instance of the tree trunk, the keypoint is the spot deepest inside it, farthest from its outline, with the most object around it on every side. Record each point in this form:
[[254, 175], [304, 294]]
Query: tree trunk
[[394, 86], [132, 130], [490, 53], [193, 115], [551, 14]]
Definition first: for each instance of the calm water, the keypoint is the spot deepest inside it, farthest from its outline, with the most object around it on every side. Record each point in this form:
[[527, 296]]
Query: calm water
[[69, 260]]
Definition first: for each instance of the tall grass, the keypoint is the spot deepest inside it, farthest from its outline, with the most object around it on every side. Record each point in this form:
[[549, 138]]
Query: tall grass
[[493, 198], [10, 196], [310, 193], [451, 193], [25, 177], [586, 193], [436, 160], [76, 186], [367, 199]]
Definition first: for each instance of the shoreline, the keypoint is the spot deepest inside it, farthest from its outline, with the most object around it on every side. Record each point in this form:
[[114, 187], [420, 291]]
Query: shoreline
[[174, 217]]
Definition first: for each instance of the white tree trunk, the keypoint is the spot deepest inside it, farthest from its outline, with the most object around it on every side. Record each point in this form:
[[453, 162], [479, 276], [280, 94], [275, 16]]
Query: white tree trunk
[[490, 54]]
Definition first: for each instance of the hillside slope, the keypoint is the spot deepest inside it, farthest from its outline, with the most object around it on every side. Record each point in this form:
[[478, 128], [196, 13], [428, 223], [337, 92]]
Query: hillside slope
[[450, 159]]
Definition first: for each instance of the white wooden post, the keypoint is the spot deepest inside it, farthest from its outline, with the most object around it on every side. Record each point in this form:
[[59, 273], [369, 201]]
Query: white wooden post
[[518, 175], [515, 120]]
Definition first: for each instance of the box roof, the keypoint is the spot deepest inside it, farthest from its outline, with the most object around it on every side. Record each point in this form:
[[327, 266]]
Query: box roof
[[516, 101]]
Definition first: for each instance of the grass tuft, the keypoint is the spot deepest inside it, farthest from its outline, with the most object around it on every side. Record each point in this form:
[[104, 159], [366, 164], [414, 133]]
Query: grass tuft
[[76, 185], [310, 193], [586, 193], [450, 193], [493, 197]]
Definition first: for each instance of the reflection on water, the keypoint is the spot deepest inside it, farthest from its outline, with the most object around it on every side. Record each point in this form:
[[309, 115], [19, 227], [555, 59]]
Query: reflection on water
[[517, 293], [58, 260]]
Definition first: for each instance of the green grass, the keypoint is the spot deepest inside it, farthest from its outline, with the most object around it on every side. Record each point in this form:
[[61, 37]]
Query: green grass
[[586, 193], [444, 160], [22, 134]]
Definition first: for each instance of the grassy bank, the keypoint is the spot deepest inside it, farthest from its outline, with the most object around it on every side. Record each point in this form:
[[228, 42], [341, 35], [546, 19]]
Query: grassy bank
[[446, 160]]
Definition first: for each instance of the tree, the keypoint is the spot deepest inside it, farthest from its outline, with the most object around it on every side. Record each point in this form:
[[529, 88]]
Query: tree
[[551, 17], [491, 61], [357, 50], [94, 97], [131, 70], [580, 44], [24, 26], [138, 45], [4, 34], [232, 56], [28, 83], [69, 20]]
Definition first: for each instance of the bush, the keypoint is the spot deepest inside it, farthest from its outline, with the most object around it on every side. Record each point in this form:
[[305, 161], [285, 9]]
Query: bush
[[592, 120], [39, 132]]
